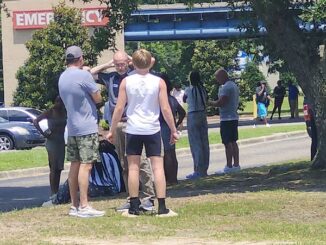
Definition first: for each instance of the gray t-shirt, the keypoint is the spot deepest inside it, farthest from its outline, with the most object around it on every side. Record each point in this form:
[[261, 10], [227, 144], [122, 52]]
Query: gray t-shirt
[[75, 88], [229, 111]]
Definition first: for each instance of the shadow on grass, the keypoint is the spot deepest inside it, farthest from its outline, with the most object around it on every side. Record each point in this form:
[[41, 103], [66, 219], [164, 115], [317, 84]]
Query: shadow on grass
[[296, 176]]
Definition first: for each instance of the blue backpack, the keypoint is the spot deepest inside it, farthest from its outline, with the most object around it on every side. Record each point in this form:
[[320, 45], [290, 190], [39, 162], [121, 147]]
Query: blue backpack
[[105, 178]]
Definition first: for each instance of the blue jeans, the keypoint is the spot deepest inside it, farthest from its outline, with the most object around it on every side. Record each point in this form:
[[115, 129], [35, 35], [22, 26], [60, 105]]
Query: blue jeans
[[198, 140]]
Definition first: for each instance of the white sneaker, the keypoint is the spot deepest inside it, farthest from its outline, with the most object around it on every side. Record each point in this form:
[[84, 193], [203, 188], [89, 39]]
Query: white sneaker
[[73, 211], [127, 214], [50, 202], [228, 170], [88, 212], [254, 126], [268, 125], [170, 213], [236, 169]]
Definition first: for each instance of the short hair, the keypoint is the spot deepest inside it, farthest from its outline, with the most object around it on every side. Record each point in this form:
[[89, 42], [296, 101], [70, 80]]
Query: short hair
[[141, 59], [222, 70]]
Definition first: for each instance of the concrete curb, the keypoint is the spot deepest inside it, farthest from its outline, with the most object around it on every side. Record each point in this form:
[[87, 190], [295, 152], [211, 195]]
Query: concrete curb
[[180, 152]]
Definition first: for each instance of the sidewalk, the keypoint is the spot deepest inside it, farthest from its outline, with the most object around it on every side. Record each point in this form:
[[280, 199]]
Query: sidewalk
[[180, 152]]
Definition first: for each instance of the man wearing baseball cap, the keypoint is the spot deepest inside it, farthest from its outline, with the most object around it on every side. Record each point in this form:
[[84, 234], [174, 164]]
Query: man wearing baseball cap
[[80, 95]]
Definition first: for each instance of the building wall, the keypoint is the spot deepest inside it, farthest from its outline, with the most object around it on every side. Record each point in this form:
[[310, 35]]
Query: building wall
[[13, 41]]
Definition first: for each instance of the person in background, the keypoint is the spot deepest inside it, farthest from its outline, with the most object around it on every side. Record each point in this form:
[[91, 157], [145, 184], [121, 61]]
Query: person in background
[[170, 158], [261, 97], [178, 93], [55, 143], [196, 98], [228, 103], [80, 95], [293, 100], [146, 96], [112, 81], [279, 93]]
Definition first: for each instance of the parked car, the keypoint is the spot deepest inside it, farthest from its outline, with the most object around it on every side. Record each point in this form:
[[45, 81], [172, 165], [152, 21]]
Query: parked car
[[21, 116], [18, 135]]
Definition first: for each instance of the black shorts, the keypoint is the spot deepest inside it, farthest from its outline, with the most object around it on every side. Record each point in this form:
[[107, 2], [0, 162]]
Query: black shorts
[[229, 131], [152, 143]]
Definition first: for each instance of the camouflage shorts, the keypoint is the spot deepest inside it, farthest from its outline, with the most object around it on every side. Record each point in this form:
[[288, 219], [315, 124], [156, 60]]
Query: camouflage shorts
[[83, 149]]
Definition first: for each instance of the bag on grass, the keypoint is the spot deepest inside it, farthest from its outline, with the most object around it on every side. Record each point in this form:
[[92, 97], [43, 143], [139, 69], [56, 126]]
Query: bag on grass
[[105, 178]]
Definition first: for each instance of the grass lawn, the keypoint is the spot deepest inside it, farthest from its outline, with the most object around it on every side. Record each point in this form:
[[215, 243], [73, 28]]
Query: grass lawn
[[37, 157], [248, 107], [247, 133], [280, 204]]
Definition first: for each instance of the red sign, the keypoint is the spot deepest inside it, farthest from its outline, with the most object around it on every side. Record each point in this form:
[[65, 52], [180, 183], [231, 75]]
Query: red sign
[[37, 19]]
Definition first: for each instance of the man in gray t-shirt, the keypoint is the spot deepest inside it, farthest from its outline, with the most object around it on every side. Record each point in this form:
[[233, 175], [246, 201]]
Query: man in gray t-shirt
[[228, 102], [80, 94]]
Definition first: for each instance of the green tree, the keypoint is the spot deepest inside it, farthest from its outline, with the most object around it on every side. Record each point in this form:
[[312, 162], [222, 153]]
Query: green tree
[[301, 52], [211, 55], [248, 81], [38, 77]]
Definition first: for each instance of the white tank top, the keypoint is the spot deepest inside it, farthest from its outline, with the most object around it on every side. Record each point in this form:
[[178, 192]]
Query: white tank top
[[143, 108]]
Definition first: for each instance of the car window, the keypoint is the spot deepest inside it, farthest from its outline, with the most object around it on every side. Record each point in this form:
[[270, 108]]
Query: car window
[[34, 112], [2, 120], [3, 114], [18, 116]]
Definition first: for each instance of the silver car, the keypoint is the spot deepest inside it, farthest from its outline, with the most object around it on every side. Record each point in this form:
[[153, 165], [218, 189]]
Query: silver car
[[17, 130]]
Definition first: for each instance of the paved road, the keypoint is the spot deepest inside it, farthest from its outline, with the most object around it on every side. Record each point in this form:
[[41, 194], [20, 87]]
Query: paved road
[[32, 191]]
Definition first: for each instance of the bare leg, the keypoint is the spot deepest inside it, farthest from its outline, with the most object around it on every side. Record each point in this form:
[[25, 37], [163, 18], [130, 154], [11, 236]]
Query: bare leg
[[235, 153], [133, 177], [228, 153], [159, 177], [73, 182], [83, 178]]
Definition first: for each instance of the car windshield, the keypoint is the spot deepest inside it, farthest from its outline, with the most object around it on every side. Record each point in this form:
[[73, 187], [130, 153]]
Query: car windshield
[[34, 112]]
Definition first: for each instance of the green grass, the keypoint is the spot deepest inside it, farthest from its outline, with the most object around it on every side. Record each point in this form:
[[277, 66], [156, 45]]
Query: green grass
[[280, 204], [248, 107], [247, 133], [37, 157]]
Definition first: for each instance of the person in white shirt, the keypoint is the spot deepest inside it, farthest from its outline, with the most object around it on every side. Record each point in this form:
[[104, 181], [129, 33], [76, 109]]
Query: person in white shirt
[[146, 96], [178, 93]]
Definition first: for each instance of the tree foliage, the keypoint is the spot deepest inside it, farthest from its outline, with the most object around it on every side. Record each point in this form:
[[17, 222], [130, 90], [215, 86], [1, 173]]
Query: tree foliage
[[38, 77], [300, 50], [248, 81]]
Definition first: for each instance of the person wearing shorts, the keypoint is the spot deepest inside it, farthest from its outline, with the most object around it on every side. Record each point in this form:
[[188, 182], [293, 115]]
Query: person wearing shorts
[[228, 102], [146, 97], [80, 95], [112, 81]]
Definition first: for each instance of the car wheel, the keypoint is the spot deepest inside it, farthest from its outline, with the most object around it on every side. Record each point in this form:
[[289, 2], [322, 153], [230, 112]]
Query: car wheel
[[6, 143]]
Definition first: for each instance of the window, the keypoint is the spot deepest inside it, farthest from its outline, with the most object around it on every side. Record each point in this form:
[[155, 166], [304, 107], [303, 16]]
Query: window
[[35, 112], [3, 114], [18, 116]]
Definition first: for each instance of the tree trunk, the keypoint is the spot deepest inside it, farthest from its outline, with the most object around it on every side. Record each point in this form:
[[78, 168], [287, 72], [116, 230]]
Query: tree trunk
[[300, 52]]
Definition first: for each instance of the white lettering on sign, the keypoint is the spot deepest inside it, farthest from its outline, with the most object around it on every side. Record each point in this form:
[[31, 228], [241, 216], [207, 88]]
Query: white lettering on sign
[[41, 18]]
